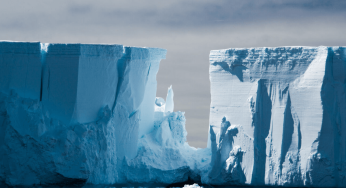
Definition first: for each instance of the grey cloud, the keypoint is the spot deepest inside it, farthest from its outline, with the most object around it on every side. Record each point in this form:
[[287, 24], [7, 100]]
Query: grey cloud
[[313, 5], [175, 14], [213, 13], [79, 9]]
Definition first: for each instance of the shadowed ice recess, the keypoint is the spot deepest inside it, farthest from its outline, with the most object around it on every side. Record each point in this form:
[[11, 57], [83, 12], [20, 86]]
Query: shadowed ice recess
[[88, 114]]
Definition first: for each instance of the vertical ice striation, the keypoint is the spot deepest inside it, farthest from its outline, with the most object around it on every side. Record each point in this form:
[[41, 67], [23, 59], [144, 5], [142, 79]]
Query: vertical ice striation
[[20, 68], [287, 103], [135, 100], [154, 56], [79, 80], [70, 113]]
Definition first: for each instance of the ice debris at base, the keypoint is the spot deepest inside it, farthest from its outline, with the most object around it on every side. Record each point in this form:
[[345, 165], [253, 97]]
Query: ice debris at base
[[195, 185], [89, 113]]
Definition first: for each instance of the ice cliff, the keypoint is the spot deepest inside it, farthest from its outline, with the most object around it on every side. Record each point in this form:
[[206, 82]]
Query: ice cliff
[[278, 116], [88, 113], [84, 113]]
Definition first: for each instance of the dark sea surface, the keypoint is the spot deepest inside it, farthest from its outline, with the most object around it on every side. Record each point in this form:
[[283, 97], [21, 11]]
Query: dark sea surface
[[178, 185], [135, 186]]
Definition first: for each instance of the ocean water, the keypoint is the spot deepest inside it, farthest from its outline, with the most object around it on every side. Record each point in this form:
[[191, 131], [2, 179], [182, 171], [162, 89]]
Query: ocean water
[[178, 185]]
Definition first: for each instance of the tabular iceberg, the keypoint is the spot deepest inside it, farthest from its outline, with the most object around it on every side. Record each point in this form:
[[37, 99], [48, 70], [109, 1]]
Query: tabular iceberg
[[88, 113], [283, 114]]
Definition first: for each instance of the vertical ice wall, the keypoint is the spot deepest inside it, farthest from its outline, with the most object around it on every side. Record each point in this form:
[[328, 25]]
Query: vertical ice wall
[[135, 100], [286, 102], [155, 55], [96, 101], [79, 80], [20, 68]]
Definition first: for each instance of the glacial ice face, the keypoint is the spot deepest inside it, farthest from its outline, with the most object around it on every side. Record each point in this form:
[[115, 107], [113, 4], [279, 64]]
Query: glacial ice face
[[135, 99], [79, 80], [287, 104], [20, 68], [37, 149], [94, 119]]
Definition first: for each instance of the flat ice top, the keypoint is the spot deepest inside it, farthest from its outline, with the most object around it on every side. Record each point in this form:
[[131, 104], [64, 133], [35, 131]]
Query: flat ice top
[[19, 41], [84, 44], [224, 51], [77, 43], [286, 47], [92, 44], [11, 47], [117, 50], [85, 49]]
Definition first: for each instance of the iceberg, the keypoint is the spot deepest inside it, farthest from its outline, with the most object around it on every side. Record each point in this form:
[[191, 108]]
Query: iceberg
[[278, 116], [88, 114]]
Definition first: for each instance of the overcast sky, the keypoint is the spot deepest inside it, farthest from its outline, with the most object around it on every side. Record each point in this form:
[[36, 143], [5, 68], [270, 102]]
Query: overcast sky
[[188, 29]]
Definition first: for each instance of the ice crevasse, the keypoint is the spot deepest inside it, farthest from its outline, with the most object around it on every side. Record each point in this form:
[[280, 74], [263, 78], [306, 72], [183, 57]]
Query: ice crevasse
[[88, 113]]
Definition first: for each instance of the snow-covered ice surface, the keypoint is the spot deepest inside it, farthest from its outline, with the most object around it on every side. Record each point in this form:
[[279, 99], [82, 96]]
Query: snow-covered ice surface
[[283, 114], [88, 113]]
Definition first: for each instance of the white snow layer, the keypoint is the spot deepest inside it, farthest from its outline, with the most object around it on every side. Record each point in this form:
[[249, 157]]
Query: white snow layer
[[89, 113]]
